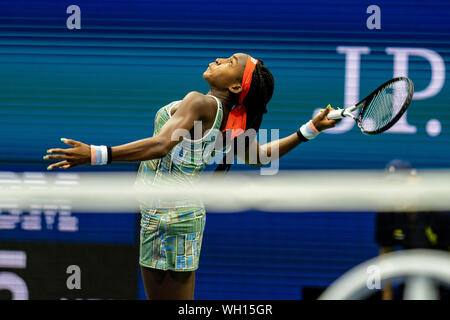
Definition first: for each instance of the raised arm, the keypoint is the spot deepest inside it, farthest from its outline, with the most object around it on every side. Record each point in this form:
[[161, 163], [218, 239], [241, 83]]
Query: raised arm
[[192, 108], [278, 148]]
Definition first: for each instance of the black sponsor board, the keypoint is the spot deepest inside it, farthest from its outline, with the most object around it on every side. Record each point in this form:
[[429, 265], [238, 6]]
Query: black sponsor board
[[68, 271]]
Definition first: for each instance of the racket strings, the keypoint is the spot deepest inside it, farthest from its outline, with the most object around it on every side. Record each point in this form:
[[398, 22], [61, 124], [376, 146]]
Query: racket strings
[[385, 106]]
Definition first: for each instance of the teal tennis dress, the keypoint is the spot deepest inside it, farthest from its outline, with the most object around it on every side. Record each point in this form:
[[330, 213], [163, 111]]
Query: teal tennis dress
[[172, 231]]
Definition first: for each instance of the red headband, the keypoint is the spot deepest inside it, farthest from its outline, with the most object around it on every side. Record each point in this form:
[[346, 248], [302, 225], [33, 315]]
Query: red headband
[[237, 118]]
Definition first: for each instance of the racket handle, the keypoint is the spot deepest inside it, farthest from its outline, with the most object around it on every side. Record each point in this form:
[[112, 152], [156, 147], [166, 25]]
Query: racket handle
[[336, 114]]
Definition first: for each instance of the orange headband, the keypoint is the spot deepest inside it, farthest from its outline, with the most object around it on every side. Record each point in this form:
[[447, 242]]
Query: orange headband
[[237, 118], [247, 78]]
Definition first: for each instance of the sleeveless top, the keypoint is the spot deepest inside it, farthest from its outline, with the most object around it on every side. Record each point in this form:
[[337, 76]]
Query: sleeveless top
[[182, 165]]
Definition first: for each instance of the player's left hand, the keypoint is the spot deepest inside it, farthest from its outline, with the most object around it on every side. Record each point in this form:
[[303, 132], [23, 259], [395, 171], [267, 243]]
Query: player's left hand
[[78, 155], [321, 122]]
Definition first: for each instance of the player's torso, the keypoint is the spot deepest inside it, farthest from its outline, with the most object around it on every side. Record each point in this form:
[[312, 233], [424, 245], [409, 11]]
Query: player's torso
[[184, 162]]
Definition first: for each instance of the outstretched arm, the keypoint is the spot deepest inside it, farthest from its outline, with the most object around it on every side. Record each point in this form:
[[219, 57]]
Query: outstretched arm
[[284, 145], [192, 109]]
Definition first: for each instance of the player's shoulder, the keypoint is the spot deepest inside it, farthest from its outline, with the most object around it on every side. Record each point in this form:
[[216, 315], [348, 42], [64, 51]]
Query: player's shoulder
[[200, 101], [198, 97]]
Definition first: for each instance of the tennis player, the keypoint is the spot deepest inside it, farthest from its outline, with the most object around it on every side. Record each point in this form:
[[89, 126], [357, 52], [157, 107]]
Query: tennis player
[[171, 233]]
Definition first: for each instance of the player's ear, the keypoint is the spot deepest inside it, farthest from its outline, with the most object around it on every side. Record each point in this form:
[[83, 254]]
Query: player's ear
[[235, 88]]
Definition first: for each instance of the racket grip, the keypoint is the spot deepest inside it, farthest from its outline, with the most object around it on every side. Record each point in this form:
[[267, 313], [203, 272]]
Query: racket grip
[[336, 114]]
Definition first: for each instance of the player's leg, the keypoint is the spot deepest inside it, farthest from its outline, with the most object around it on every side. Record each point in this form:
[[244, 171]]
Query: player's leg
[[168, 285]]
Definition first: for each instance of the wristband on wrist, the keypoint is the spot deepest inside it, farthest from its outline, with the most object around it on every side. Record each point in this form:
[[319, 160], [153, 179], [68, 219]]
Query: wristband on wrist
[[99, 155], [104, 155], [308, 131], [109, 154], [301, 136], [93, 155]]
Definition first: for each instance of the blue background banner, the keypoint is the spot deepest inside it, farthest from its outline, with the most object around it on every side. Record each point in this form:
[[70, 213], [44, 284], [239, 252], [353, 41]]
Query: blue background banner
[[103, 83]]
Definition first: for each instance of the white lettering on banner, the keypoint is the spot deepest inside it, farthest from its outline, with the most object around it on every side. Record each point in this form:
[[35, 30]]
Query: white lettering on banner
[[401, 55], [433, 127], [40, 216], [11, 281], [437, 68], [351, 96]]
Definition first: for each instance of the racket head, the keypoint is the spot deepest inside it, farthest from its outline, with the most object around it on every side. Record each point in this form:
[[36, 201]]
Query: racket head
[[385, 106]]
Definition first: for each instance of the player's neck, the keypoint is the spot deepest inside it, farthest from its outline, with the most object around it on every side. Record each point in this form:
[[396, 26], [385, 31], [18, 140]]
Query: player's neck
[[224, 97]]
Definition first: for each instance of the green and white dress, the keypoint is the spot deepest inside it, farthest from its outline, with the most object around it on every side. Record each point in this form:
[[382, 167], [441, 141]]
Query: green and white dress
[[172, 231]]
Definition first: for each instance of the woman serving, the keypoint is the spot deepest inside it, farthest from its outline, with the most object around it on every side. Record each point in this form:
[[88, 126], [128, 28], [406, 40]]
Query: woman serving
[[171, 232]]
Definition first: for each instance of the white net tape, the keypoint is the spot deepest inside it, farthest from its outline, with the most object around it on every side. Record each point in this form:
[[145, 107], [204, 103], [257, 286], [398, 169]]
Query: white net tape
[[286, 191]]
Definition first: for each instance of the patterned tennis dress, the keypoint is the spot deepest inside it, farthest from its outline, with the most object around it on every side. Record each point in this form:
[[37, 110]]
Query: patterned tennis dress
[[172, 231]]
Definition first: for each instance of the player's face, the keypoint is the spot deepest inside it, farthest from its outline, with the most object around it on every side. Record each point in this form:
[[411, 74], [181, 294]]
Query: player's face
[[225, 72]]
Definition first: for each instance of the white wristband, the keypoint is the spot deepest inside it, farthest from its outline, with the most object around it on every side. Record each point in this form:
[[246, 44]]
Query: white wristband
[[99, 155], [309, 131], [104, 155]]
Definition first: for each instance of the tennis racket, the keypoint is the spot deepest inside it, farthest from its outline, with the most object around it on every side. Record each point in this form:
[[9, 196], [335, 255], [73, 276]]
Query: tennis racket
[[382, 108]]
